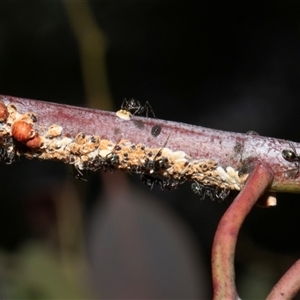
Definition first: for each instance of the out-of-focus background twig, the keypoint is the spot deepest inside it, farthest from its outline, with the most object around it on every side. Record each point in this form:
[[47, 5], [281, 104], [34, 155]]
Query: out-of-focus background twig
[[232, 66], [92, 45]]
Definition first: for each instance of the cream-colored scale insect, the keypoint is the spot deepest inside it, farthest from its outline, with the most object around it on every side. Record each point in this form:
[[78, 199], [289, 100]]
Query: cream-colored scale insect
[[124, 114]]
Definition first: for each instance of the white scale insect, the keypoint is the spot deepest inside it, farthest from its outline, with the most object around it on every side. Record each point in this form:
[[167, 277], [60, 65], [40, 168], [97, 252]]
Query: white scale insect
[[124, 114]]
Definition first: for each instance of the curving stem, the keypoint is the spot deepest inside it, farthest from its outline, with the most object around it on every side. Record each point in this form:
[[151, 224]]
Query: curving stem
[[289, 284], [223, 250]]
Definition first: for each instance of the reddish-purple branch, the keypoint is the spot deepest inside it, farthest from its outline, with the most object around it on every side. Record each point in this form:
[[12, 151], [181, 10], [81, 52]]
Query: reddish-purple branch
[[227, 232], [240, 151]]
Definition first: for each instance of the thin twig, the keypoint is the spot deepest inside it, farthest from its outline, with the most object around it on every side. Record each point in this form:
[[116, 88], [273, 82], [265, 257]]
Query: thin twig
[[288, 286], [223, 250], [92, 46]]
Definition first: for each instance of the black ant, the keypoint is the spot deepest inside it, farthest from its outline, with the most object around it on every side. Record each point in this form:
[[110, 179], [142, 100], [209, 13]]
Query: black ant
[[108, 163], [292, 156], [135, 108], [209, 191], [221, 194], [112, 161], [97, 164], [7, 156], [199, 189], [169, 184], [135, 169], [156, 165], [149, 181], [80, 174]]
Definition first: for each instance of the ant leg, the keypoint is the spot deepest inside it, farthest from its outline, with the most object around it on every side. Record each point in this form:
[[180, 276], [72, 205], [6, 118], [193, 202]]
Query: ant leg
[[124, 103], [149, 107], [160, 150], [148, 180], [297, 168], [79, 174]]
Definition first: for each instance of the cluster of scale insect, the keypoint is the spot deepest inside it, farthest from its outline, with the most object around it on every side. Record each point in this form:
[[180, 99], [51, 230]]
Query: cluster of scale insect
[[152, 167], [149, 166], [109, 163], [209, 191], [156, 167]]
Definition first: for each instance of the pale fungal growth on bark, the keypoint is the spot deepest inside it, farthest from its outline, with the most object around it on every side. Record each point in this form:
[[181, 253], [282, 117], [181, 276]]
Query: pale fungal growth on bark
[[162, 166]]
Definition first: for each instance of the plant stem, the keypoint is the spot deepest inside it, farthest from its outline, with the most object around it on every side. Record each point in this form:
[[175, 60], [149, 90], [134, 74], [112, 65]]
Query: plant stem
[[289, 284], [223, 250], [242, 152]]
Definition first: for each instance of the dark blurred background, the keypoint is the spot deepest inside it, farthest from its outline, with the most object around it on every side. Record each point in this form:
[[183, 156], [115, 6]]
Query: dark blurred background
[[232, 65]]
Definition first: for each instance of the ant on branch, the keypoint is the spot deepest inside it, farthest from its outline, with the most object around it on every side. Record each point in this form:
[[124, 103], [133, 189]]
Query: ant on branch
[[135, 108], [209, 191], [168, 184], [7, 156], [292, 156], [155, 165], [80, 174]]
